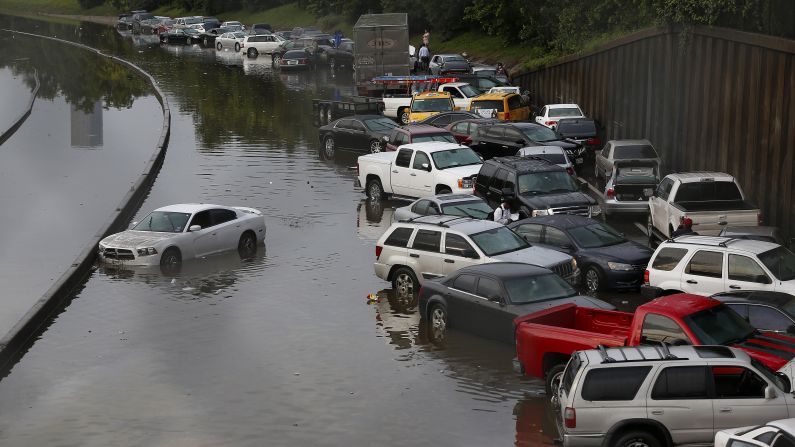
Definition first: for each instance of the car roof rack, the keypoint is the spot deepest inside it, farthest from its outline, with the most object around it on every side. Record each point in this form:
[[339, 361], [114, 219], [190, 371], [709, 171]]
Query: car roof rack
[[663, 353], [666, 352], [603, 353], [723, 243], [444, 222]]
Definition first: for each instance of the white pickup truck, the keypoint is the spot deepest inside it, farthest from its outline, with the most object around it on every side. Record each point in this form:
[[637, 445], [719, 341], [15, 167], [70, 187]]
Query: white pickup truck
[[419, 170], [713, 200], [399, 107]]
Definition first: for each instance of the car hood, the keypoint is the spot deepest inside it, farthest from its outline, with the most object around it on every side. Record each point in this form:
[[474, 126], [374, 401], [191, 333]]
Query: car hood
[[557, 200], [134, 239], [628, 252], [773, 349], [540, 256], [461, 171], [579, 300]]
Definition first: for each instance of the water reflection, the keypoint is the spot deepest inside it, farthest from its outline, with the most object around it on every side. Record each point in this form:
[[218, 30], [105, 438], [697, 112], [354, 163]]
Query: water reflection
[[86, 127], [373, 217], [535, 423]]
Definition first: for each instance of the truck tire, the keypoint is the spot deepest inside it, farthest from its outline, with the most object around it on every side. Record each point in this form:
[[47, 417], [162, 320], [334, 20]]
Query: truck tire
[[637, 438], [252, 53], [443, 190], [374, 189], [553, 378], [403, 115]]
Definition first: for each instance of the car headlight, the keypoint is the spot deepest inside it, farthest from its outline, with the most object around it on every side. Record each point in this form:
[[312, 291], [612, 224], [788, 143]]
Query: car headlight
[[595, 210], [541, 213], [619, 266], [147, 251], [573, 265], [465, 183]]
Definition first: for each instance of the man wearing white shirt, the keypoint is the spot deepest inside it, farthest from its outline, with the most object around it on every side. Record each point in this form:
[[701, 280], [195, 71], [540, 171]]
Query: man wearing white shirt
[[425, 57], [503, 213]]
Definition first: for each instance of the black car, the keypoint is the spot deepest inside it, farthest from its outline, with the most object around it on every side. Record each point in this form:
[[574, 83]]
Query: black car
[[124, 23], [207, 38], [768, 311], [605, 257], [357, 133], [186, 36], [485, 299], [534, 187], [501, 139], [584, 131], [342, 56], [139, 17], [261, 28], [445, 118]]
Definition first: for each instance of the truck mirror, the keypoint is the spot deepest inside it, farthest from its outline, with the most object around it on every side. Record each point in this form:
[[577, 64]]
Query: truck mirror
[[426, 167], [770, 393]]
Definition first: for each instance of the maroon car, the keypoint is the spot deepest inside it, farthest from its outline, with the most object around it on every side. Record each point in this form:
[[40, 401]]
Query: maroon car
[[416, 133], [463, 130]]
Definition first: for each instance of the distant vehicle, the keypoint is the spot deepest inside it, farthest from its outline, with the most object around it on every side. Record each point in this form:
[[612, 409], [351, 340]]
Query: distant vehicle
[[341, 56], [446, 118], [505, 139], [502, 106], [399, 106], [170, 235], [292, 45], [704, 265], [761, 233], [445, 64], [485, 299], [418, 170], [551, 113], [156, 25], [186, 36], [295, 59], [139, 17], [622, 150], [234, 25], [464, 130], [461, 92], [767, 311], [230, 40], [552, 154], [209, 23], [629, 188], [771, 434], [184, 22], [711, 200], [583, 131], [606, 258], [426, 104], [208, 37], [416, 133], [482, 83], [262, 28], [489, 71], [125, 22], [372, 56], [253, 45], [464, 205], [357, 133]]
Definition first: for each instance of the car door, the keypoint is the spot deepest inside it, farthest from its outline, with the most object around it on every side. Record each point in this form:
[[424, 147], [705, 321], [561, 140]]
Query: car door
[[740, 398], [744, 273], [462, 302], [493, 321], [494, 193], [401, 170], [205, 240], [490, 140], [269, 44], [679, 400], [421, 182], [512, 141], [227, 228], [658, 203], [459, 253], [343, 134], [360, 140], [557, 240], [426, 251], [703, 274]]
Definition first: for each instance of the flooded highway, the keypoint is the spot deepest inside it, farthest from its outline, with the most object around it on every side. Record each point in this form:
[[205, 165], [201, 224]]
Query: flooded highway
[[280, 349]]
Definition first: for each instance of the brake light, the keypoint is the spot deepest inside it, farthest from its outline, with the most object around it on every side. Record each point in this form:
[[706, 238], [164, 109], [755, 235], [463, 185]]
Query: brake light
[[593, 141], [759, 219], [646, 277], [570, 417], [570, 170], [611, 193], [551, 123], [507, 115], [378, 250]]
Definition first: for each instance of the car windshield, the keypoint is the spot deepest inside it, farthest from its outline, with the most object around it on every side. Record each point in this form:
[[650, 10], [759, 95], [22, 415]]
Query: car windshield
[[487, 104], [486, 72], [532, 289], [498, 241], [780, 262], [564, 111], [541, 134], [546, 183], [624, 152], [239, 35], [476, 209], [163, 221], [469, 91], [455, 157], [719, 325], [190, 31], [577, 127], [380, 124], [595, 235], [426, 138], [432, 105]]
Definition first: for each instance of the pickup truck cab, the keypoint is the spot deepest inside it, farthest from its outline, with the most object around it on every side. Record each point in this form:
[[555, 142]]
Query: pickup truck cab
[[425, 105], [419, 170], [712, 200], [398, 107], [461, 92], [546, 339]]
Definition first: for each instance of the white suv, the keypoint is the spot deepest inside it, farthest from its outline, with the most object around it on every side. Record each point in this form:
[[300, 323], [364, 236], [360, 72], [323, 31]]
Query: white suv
[[705, 265], [260, 44], [430, 247]]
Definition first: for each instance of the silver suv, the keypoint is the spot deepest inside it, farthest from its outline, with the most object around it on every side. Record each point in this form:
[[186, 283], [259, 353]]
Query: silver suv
[[415, 250], [653, 396]]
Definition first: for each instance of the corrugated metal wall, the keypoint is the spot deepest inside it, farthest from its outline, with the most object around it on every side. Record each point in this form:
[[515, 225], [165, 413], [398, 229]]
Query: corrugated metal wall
[[709, 99]]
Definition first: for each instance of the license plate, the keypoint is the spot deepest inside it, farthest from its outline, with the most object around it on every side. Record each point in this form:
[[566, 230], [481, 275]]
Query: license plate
[[578, 160], [648, 192], [292, 62]]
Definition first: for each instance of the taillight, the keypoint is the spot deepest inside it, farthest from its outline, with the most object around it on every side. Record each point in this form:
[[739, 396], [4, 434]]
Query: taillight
[[507, 115], [570, 417], [467, 140], [551, 123], [593, 141], [570, 170], [759, 219], [646, 277], [611, 193], [378, 250]]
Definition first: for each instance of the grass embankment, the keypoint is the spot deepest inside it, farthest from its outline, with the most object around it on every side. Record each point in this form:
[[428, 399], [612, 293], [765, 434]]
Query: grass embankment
[[37, 7]]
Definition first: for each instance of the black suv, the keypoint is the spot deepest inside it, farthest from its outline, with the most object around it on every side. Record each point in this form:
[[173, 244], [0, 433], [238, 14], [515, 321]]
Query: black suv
[[503, 139], [137, 18], [534, 187]]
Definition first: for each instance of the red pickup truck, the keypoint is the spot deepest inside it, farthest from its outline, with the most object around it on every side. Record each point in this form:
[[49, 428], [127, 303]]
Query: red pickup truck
[[546, 339]]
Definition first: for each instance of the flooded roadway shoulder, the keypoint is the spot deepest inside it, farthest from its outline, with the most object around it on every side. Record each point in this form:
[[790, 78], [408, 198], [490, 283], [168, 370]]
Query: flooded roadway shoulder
[[18, 339], [25, 112]]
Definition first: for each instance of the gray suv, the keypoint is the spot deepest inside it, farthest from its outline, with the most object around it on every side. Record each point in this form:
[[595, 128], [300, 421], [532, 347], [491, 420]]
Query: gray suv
[[652, 396]]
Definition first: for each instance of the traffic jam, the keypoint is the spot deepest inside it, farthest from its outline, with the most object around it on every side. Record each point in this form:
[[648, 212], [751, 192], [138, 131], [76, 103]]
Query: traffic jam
[[503, 227]]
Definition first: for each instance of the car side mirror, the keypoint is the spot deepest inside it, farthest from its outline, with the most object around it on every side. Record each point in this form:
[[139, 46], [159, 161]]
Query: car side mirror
[[426, 167], [784, 381], [194, 228], [132, 225], [770, 393]]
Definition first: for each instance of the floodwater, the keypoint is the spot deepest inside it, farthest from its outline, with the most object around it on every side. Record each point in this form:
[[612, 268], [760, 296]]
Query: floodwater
[[14, 95], [281, 349]]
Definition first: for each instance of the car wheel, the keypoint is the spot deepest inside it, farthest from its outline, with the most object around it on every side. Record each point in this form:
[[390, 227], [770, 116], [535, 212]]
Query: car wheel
[[171, 260], [219, 46], [247, 245], [437, 322], [553, 379], [405, 282], [593, 278], [276, 58], [444, 191], [165, 39], [375, 146], [403, 115], [374, 189], [637, 438], [237, 47], [252, 52], [329, 147]]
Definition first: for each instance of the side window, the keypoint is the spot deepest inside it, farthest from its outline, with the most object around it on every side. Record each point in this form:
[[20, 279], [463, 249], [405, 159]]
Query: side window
[[402, 138], [741, 309], [556, 238], [473, 128], [611, 384], [484, 176], [343, 124], [514, 102], [489, 288], [465, 283], [668, 258], [403, 158], [743, 268], [460, 128], [513, 136], [202, 218], [736, 382], [781, 441], [218, 216], [681, 382], [455, 245], [421, 207], [427, 240], [400, 237], [357, 126], [543, 111], [433, 208], [494, 132], [664, 188], [498, 180], [706, 263], [530, 232], [659, 329], [763, 317], [421, 159]]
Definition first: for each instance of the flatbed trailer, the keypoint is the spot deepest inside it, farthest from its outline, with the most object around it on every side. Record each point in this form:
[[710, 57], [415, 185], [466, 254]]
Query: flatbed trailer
[[327, 110]]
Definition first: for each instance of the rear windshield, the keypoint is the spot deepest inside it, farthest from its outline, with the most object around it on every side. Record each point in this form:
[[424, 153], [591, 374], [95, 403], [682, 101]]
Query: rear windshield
[[532, 289], [488, 104], [719, 325], [668, 258], [192, 21], [780, 262], [625, 152], [564, 111], [577, 127], [610, 384], [708, 191], [295, 54], [432, 105], [380, 124], [636, 174]]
